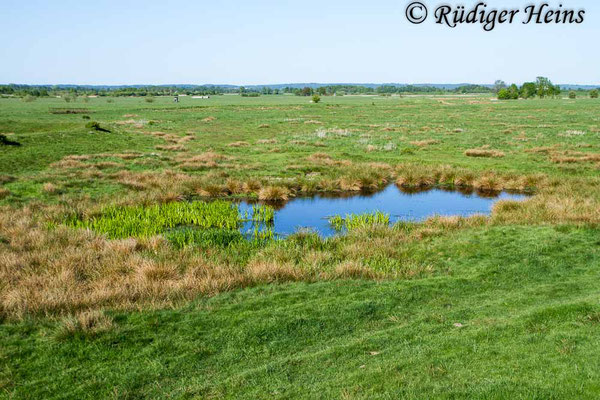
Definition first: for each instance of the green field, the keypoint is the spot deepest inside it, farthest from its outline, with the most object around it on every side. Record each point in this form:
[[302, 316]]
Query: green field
[[505, 306]]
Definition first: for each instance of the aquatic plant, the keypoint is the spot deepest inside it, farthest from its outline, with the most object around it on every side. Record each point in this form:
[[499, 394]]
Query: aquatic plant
[[147, 221], [181, 238], [263, 213], [355, 221]]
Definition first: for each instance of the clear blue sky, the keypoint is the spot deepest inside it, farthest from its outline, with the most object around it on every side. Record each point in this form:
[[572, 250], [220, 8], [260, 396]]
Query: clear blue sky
[[281, 41]]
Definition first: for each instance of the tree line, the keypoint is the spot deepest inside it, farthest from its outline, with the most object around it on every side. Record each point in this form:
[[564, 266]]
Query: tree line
[[542, 88]]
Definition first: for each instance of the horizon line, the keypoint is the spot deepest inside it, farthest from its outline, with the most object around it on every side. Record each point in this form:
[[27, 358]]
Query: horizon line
[[282, 84]]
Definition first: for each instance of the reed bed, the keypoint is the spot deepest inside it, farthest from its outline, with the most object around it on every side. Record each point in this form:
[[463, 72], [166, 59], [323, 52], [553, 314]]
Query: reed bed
[[118, 222], [353, 222]]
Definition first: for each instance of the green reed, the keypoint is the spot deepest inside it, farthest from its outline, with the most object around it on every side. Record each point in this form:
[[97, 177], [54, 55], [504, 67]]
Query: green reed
[[211, 223], [355, 221]]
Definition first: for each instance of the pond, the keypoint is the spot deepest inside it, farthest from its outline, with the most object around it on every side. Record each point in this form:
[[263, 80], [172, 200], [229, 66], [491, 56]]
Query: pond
[[312, 213]]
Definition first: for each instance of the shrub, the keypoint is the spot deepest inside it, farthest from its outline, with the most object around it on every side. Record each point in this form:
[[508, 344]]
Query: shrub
[[149, 99], [503, 94], [594, 94], [316, 98], [572, 94], [29, 98]]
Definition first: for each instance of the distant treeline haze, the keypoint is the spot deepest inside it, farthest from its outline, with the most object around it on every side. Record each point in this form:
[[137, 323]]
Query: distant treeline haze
[[543, 87]]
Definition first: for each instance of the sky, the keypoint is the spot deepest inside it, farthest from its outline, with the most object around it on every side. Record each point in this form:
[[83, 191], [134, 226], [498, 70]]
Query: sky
[[250, 42]]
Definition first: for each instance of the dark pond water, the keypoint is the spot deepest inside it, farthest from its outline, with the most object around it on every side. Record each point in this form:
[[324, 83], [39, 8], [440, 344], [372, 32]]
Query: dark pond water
[[312, 213]]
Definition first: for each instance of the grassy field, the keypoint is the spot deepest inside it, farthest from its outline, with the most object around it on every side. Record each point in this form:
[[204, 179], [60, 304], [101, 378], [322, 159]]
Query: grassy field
[[505, 306]]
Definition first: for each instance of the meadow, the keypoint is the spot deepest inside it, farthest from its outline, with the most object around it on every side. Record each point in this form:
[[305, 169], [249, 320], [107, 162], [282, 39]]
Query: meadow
[[106, 290]]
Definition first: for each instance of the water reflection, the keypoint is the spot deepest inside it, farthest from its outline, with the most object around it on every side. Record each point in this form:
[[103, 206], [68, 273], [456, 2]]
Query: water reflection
[[400, 203]]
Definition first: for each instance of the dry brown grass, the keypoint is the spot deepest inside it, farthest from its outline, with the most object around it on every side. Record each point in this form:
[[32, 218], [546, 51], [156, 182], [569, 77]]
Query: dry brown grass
[[126, 156], [569, 157], [88, 323], [66, 163], [175, 147], [158, 182], [75, 272], [424, 143], [274, 193], [4, 193], [238, 144], [209, 119], [313, 122], [266, 141], [543, 149], [205, 160], [49, 188], [484, 153]]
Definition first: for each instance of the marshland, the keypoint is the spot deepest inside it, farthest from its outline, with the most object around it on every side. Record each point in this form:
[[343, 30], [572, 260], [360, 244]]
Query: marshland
[[133, 247]]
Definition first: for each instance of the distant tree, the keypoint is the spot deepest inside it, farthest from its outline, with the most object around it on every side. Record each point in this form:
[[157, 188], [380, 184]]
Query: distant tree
[[528, 90], [594, 94], [322, 90], [306, 91], [504, 94], [499, 85], [513, 92], [572, 94], [316, 98], [545, 88]]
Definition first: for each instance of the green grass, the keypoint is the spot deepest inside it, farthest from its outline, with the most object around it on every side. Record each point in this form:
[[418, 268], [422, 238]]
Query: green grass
[[507, 308], [528, 311], [460, 124]]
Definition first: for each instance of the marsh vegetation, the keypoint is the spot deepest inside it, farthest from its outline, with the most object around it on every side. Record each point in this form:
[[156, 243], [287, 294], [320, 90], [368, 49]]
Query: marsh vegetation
[[131, 251]]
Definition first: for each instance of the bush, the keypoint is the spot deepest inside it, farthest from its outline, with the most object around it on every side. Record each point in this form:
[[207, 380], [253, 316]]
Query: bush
[[316, 98], [149, 99], [504, 94], [594, 94], [572, 94], [29, 98]]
